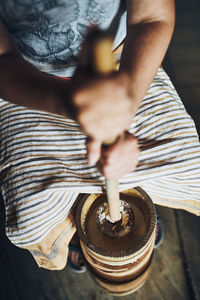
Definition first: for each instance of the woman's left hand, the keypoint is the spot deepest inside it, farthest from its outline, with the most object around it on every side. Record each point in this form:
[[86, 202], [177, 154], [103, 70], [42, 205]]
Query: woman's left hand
[[118, 159]]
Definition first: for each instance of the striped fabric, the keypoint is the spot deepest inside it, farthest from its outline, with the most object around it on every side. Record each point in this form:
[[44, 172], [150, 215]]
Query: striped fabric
[[44, 166]]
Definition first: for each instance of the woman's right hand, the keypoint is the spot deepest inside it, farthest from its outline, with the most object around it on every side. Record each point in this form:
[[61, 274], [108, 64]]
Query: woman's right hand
[[102, 105]]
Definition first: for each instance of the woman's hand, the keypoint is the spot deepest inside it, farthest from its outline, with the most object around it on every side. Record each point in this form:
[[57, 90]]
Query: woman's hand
[[118, 159], [102, 105], [104, 109]]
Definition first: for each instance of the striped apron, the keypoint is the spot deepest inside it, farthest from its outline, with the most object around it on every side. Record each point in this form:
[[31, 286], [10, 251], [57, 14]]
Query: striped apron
[[44, 168]]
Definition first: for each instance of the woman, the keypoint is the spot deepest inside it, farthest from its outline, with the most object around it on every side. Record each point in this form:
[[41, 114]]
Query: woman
[[44, 160]]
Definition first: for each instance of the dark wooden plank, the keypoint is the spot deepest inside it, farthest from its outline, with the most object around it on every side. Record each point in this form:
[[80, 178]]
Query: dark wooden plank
[[189, 232], [185, 5], [190, 96], [33, 282], [21, 277], [187, 17], [14, 270], [8, 287], [181, 55], [81, 286], [185, 35], [187, 75]]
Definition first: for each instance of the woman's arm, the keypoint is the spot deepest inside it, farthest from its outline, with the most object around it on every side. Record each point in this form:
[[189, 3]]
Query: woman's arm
[[108, 105], [23, 84], [150, 26]]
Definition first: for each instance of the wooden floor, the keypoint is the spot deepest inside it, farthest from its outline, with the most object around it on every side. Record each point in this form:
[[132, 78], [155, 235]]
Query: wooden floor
[[176, 263]]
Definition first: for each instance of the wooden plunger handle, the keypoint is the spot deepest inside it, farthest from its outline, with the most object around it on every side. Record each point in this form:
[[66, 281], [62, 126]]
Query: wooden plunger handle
[[103, 64]]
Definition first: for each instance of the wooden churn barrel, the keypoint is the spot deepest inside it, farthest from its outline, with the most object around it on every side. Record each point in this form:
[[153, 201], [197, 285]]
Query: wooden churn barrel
[[119, 265]]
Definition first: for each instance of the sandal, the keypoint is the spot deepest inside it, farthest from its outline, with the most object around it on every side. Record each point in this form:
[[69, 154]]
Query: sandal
[[81, 268]]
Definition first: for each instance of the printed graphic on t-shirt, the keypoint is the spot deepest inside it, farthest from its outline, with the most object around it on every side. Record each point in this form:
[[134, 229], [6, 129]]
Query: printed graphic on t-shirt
[[50, 31]]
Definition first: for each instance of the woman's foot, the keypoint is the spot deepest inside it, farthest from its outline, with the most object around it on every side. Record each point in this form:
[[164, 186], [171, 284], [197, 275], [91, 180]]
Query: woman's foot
[[76, 260], [159, 233]]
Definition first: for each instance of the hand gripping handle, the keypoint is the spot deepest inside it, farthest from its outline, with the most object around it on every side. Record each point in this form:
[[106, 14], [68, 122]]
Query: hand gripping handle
[[103, 64]]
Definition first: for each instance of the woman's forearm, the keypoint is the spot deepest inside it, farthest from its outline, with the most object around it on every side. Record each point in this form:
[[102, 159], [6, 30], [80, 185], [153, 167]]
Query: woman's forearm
[[144, 49]]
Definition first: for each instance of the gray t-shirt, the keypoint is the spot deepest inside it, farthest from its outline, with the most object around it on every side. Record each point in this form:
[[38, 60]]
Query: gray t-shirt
[[49, 32]]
